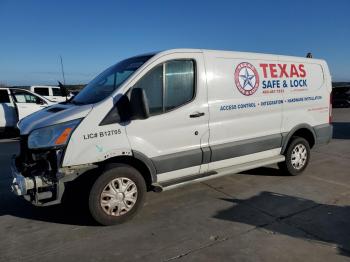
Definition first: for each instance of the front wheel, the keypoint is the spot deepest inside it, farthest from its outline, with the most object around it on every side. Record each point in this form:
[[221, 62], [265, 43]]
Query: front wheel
[[297, 157], [117, 195]]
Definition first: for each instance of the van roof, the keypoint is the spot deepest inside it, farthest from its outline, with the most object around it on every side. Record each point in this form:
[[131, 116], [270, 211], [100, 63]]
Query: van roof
[[236, 54]]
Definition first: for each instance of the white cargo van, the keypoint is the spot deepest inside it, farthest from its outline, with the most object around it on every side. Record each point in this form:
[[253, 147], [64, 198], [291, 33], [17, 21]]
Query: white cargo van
[[52, 93], [16, 104], [157, 121]]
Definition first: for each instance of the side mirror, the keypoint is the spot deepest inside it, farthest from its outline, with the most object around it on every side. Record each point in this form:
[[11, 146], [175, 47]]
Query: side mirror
[[139, 104]]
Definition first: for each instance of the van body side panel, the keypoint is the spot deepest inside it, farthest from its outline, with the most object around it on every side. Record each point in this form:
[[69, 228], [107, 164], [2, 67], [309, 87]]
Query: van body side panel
[[241, 122], [309, 103]]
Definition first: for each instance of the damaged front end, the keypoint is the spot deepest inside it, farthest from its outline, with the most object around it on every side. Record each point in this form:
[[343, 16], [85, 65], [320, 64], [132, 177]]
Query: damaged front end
[[38, 175], [37, 171]]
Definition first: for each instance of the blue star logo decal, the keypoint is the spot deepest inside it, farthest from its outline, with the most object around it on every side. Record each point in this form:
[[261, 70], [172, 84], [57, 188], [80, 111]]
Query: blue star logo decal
[[247, 78]]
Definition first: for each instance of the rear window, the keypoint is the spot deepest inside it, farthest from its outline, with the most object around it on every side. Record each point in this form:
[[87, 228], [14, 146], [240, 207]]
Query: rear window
[[4, 97], [56, 92], [43, 91]]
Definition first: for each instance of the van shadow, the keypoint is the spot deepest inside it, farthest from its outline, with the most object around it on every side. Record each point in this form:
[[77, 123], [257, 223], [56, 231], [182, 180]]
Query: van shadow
[[341, 130], [263, 171], [294, 217]]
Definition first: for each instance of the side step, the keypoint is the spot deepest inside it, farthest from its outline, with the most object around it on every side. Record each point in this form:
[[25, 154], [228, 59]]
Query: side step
[[174, 183]]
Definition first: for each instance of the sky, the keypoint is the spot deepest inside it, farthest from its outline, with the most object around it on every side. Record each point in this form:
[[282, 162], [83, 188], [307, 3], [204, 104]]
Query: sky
[[92, 35]]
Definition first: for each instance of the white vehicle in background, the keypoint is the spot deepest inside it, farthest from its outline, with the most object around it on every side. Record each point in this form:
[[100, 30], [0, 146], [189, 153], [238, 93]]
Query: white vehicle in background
[[52, 93], [16, 104], [161, 120]]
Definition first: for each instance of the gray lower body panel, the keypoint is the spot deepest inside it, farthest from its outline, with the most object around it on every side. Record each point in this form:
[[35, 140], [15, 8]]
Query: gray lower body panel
[[323, 134], [245, 147], [206, 155], [196, 157], [177, 161]]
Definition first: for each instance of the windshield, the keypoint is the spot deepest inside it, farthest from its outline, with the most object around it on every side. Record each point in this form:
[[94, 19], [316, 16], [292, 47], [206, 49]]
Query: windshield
[[108, 81]]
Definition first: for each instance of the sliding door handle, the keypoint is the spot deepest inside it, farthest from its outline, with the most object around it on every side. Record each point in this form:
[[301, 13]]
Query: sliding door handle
[[197, 114]]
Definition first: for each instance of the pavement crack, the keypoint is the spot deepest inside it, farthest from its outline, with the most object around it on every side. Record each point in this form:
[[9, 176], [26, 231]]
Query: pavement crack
[[216, 189], [328, 181], [280, 218], [197, 249]]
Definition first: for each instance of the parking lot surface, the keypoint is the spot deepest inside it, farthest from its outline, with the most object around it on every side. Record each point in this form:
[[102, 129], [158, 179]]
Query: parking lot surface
[[258, 215]]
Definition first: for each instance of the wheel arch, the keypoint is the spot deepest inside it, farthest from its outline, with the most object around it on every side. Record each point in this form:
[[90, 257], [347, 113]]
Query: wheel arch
[[303, 130], [140, 162]]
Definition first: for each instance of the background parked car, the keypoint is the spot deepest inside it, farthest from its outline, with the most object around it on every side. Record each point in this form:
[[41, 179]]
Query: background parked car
[[16, 104], [52, 93]]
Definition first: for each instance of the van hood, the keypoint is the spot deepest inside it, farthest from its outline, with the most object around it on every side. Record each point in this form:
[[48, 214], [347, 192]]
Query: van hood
[[52, 115]]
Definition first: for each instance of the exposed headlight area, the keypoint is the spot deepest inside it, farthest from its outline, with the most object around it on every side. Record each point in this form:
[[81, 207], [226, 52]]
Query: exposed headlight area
[[42, 151], [40, 159], [52, 136]]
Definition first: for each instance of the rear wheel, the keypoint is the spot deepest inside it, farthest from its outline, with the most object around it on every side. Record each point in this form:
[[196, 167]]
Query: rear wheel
[[117, 194], [297, 157]]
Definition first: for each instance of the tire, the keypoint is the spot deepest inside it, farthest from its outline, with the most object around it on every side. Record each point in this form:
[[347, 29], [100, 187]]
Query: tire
[[112, 198], [296, 162]]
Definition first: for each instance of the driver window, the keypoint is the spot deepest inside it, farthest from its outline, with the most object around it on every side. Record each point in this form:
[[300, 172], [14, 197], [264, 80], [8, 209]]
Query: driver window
[[152, 83], [169, 85]]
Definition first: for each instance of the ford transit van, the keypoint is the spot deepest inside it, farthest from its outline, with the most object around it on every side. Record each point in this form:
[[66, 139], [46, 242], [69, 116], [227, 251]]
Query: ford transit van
[[161, 120]]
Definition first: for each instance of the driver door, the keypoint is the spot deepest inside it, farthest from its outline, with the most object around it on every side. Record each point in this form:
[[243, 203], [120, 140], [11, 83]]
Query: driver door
[[176, 134], [27, 103]]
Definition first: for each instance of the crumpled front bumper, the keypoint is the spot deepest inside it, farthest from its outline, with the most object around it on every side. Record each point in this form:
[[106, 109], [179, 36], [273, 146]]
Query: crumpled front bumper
[[41, 191], [20, 184], [29, 187]]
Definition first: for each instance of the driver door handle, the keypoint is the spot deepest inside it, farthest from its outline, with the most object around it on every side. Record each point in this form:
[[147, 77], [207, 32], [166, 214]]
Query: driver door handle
[[197, 114]]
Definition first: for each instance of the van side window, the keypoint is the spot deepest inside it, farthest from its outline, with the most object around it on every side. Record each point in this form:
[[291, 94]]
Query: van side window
[[179, 83], [4, 97], [177, 87], [56, 92], [152, 83], [43, 91]]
